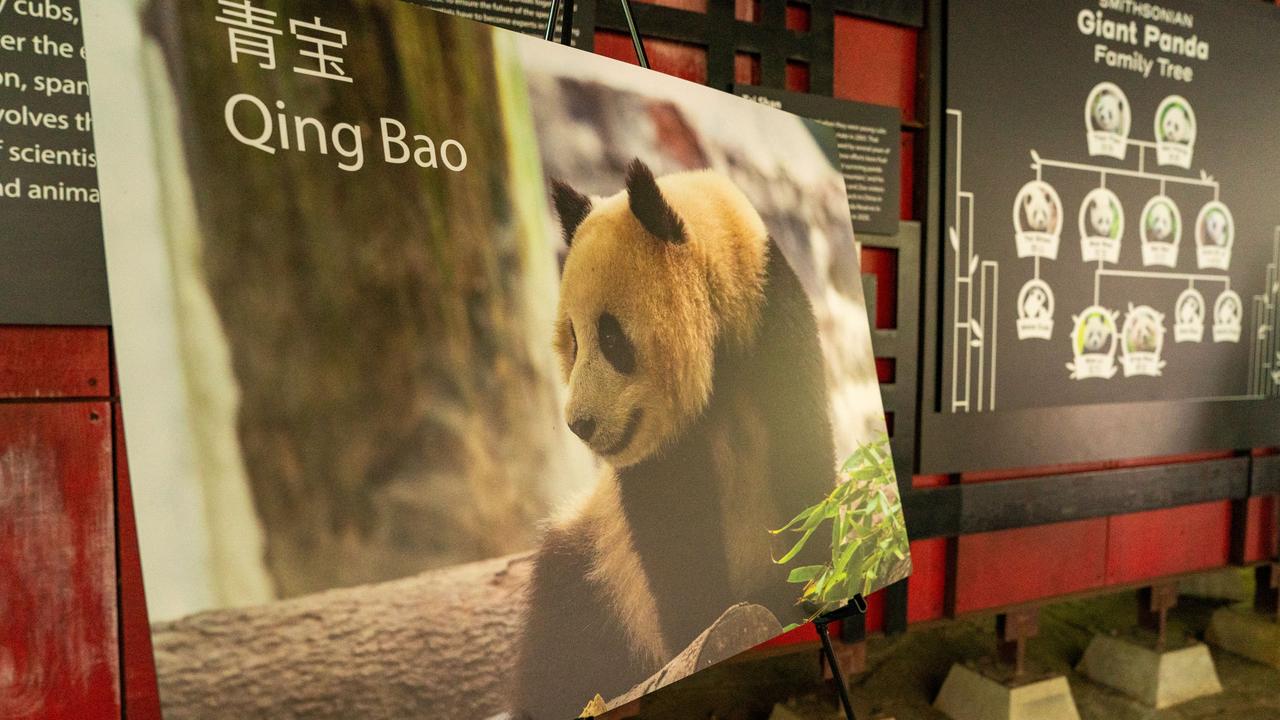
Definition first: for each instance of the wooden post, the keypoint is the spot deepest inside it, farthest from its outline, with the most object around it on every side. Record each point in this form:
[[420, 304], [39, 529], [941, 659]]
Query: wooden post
[[1154, 604], [1013, 629], [1266, 592]]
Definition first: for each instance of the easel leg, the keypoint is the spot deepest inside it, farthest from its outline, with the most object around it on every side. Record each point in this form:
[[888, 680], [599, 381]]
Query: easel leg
[[857, 605], [550, 35], [566, 34], [825, 634], [641, 56]]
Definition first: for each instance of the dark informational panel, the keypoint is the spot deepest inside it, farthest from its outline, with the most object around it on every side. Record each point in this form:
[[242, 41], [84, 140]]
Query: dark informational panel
[[52, 270], [1110, 231], [526, 16], [868, 138]]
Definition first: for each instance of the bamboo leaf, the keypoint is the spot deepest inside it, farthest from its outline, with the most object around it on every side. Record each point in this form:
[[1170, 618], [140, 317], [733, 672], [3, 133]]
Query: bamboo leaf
[[804, 573], [795, 550], [804, 514], [846, 554]]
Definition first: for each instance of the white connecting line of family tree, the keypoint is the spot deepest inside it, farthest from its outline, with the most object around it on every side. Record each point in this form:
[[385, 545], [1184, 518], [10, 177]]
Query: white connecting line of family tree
[[975, 332], [1038, 164], [1264, 361]]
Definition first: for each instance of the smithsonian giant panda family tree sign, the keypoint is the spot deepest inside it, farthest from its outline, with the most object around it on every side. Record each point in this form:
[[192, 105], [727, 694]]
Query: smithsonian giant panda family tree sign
[[1111, 228]]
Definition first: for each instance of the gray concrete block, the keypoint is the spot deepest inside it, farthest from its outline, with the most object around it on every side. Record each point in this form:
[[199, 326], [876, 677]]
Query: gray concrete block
[[1243, 632], [968, 694], [1159, 679]]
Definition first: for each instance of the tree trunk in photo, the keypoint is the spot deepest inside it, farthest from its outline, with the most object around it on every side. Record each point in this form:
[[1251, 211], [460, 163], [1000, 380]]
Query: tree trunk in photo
[[389, 326], [440, 645]]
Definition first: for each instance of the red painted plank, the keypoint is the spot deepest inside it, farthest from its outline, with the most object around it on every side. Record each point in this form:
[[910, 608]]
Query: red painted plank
[[930, 481], [802, 634], [141, 696], [876, 63], [59, 657], [746, 68], [666, 56], [1260, 531], [927, 588], [693, 5], [883, 263], [875, 612], [1009, 567], [1146, 545], [990, 475], [796, 76], [798, 18], [38, 362]]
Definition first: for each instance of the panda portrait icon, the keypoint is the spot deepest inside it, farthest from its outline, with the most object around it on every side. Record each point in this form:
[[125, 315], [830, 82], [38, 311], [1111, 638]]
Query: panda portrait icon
[[1037, 220], [1035, 311], [1093, 343], [1107, 113], [1160, 223], [693, 370], [1096, 334], [1101, 225], [1107, 120], [1176, 125], [1161, 232], [1215, 236], [1215, 229], [1143, 342], [1039, 209], [1228, 312], [1102, 218], [1189, 317], [1175, 130]]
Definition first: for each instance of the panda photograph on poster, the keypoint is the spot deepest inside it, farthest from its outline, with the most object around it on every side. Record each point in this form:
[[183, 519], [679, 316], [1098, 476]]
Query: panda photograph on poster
[[467, 375]]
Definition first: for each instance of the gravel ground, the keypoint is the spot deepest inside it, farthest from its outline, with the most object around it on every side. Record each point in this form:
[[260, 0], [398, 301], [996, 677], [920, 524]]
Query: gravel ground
[[904, 673]]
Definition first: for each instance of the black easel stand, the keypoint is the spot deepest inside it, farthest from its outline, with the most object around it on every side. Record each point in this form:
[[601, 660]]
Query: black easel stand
[[566, 34], [857, 606]]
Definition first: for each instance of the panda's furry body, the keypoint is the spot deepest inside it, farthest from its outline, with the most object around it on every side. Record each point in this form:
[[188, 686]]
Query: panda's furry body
[[695, 371]]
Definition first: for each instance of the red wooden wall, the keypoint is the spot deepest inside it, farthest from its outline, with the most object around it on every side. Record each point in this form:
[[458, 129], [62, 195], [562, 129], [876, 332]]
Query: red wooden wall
[[58, 611], [62, 446]]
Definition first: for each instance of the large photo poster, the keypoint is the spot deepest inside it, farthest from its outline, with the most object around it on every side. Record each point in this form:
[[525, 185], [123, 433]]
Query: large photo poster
[[465, 375], [1111, 224]]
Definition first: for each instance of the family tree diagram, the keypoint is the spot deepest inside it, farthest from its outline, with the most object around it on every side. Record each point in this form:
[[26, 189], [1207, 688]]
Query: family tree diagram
[[1112, 337]]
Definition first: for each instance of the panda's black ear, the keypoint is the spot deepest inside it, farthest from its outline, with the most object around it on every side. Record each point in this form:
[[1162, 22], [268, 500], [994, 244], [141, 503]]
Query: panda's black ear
[[572, 207], [649, 207]]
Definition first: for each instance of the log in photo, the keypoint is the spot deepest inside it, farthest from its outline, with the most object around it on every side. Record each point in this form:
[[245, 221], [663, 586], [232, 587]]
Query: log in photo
[[470, 376]]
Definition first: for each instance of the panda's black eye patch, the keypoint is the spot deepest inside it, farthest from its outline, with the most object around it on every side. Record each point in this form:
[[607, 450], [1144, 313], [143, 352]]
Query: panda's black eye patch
[[615, 345]]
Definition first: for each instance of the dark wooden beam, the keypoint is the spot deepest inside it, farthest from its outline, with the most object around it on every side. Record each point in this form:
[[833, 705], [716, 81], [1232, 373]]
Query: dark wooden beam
[[1003, 505]]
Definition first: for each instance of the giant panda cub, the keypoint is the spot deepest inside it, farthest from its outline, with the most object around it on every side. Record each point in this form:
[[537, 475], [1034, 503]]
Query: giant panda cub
[[694, 371]]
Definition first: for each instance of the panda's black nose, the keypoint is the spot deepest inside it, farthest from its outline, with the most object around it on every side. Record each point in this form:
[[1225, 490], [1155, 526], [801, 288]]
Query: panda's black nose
[[583, 428]]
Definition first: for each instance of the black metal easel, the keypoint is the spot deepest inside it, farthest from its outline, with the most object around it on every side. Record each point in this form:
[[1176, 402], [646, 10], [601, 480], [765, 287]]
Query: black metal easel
[[566, 34], [857, 605]]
